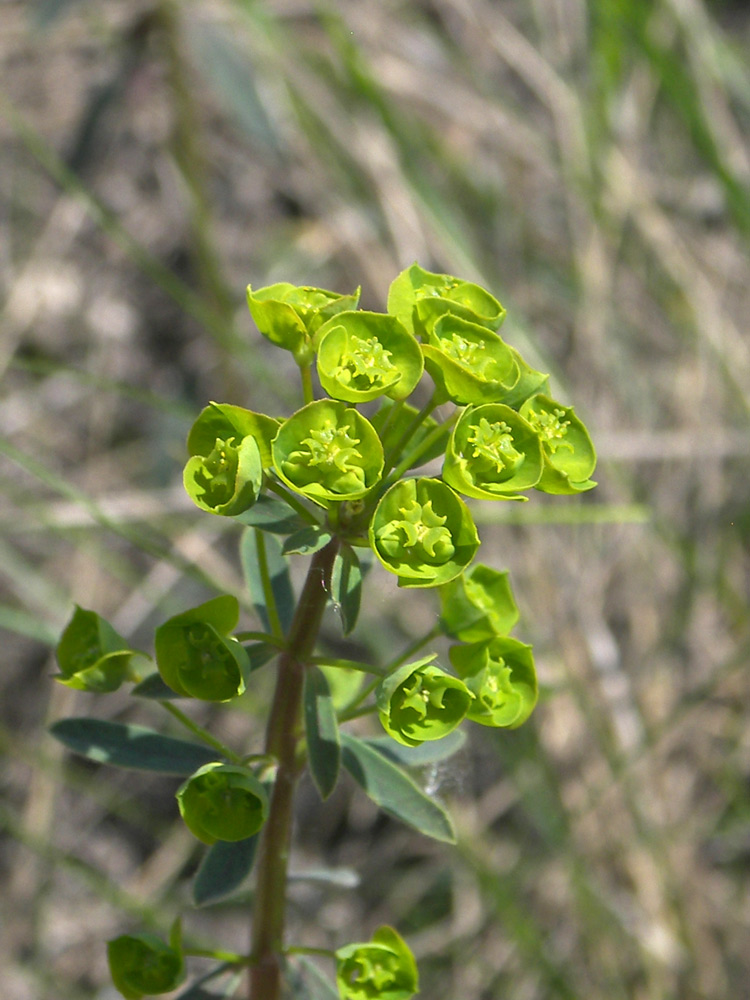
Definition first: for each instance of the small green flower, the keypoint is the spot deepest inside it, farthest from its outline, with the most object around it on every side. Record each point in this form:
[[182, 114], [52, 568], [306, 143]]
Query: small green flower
[[478, 605], [423, 532], [327, 451], [492, 453], [362, 355], [290, 315], [142, 965], [382, 969], [469, 363], [195, 655], [92, 656], [569, 454], [227, 421], [228, 479], [223, 802], [418, 298], [500, 673], [420, 702]]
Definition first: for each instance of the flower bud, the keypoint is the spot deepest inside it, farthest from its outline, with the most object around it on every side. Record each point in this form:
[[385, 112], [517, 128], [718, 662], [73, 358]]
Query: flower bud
[[423, 532], [500, 673], [142, 965], [420, 702], [478, 605], [569, 454], [289, 315], [223, 802], [363, 355], [383, 969], [418, 298], [492, 453], [195, 655], [327, 451]]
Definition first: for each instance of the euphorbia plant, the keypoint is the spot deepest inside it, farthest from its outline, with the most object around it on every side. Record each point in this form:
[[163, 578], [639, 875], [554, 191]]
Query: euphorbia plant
[[329, 483]]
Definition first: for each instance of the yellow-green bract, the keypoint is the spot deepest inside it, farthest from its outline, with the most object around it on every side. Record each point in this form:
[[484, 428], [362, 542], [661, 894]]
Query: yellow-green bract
[[420, 702], [223, 802], [142, 965], [228, 480], [381, 969], [423, 532], [492, 453], [478, 604], [289, 315], [195, 655], [569, 455], [418, 298], [225, 420], [500, 673], [328, 451], [363, 355], [92, 656]]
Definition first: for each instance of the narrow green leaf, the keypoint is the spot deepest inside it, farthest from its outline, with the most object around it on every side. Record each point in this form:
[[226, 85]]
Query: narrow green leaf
[[395, 792], [259, 653], [425, 753], [278, 574], [306, 982], [226, 989], [131, 746], [306, 541], [321, 729], [154, 687], [346, 587], [271, 514], [224, 868]]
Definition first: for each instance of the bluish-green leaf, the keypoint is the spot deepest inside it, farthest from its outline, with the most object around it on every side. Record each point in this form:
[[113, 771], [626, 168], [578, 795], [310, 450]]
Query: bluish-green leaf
[[273, 515], [346, 587], [253, 551], [307, 540], [217, 992], [259, 653], [305, 981], [322, 732], [224, 868], [395, 792], [425, 753], [131, 746], [154, 687]]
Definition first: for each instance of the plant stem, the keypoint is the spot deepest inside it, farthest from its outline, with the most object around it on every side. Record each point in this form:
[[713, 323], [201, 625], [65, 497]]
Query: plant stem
[[282, 737], [201, 733]]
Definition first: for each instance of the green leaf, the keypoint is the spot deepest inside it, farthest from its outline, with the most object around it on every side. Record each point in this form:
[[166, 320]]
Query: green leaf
[[425, 753], [154, 687], [322, 732], [225, 866], [130, 746], [307, 540], [346, 587], [305, 981], [394, 791], [270, 552], [273, 515]]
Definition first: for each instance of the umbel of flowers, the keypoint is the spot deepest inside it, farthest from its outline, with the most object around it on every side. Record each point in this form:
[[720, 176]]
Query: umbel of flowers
[[429, 381]]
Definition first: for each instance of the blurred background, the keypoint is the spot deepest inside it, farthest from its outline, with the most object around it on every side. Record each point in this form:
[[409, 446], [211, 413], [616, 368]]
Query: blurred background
[[589, 163]]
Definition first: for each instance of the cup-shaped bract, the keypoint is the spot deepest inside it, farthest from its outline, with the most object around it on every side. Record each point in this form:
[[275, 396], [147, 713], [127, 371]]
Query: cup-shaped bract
[[196, 656], [419, 702], [223, 802], [143, 965], [363, 355], [492, 453], [92, 656], [328, 452], [478, 605], [418, 298], [423, 532], [569, 454], [228, 479], [290, 315], [501, 675], [469, 363], [381, 969], [226, 421]]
